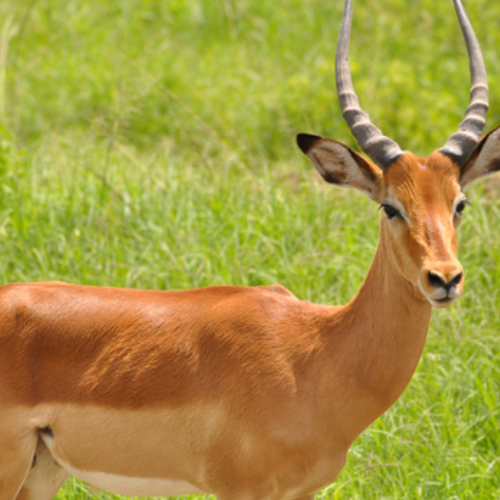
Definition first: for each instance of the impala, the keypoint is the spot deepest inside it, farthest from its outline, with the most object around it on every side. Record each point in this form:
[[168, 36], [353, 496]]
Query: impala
[[248, 393]]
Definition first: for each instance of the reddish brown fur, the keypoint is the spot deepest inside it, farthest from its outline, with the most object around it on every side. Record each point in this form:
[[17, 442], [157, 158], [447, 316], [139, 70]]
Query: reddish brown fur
[[138, 340], [249, 393], [427, 189]]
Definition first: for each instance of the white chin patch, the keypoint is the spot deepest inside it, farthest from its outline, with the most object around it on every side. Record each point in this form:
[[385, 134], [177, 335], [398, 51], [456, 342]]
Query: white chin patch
[[440, 304]]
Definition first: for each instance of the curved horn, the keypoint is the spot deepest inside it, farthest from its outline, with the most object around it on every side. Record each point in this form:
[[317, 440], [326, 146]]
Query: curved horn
[[462, 143], [382, 150]]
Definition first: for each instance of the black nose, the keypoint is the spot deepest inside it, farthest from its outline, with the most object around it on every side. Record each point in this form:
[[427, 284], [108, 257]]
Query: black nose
[[438, 282]]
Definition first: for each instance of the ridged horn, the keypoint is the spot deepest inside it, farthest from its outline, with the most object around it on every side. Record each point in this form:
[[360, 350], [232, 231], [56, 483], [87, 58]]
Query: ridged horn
[[382, 150], [462, 143]]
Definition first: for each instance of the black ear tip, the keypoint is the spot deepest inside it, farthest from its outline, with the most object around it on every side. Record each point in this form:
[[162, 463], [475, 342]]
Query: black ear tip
[[306, 141]]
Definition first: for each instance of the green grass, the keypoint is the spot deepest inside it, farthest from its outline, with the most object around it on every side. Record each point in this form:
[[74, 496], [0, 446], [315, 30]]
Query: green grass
[[151, 144]]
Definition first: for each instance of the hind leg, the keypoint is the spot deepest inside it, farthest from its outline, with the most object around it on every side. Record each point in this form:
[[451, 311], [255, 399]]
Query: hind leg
[[16, 456], [45, 477]]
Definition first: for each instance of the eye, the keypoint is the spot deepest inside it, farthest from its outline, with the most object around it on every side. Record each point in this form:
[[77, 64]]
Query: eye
[[390, 211], [461, 206]]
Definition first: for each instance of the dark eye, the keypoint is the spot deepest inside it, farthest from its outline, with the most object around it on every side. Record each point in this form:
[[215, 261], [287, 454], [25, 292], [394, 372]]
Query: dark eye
[[390, 211], [461, 206]]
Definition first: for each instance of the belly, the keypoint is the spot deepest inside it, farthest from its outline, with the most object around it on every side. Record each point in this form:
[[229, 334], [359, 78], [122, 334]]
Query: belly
[[151, 453], [132, 486], [171, 452]]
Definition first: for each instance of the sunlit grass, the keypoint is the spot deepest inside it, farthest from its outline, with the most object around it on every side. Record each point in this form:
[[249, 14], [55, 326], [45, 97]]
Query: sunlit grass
[[151, 144]]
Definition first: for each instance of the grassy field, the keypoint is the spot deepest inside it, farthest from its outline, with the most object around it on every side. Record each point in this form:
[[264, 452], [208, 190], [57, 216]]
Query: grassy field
[[150, 143]]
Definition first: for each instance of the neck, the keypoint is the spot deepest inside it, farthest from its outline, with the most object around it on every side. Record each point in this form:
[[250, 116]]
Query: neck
[[377, 340]]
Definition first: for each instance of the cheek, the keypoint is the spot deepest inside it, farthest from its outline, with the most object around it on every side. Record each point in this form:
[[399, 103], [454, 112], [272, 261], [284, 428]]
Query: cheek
[[408, 253]]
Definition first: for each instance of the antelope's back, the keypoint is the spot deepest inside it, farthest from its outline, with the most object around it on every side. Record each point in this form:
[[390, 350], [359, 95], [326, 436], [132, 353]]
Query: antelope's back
[[137, 348]]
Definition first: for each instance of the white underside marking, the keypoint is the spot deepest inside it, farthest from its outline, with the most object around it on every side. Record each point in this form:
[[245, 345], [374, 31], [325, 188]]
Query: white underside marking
[[125, 485], [133, 486], [155, 452]]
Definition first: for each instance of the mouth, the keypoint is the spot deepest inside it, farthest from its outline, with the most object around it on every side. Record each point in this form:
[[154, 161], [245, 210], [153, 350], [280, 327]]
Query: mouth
[[442, 297], [443, 302]]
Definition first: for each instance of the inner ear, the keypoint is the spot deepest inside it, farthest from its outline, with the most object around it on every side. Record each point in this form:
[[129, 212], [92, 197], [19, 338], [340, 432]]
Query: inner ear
[[340, 165], [484, 161]]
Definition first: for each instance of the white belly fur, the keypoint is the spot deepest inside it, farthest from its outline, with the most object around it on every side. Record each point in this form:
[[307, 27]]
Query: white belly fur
[[125, 485], [133, 486]]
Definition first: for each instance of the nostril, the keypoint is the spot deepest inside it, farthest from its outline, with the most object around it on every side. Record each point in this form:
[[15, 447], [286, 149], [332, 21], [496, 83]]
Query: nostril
[[436, 280], [457, 279]]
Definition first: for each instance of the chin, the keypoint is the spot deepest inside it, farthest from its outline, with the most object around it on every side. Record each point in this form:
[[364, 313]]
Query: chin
[[442, 303]]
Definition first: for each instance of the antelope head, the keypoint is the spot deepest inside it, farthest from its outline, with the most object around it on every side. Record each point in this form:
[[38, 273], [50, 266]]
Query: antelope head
[[422, 198]]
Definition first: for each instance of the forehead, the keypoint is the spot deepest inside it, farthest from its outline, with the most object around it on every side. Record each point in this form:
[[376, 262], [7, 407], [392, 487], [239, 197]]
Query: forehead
[[431, 180]]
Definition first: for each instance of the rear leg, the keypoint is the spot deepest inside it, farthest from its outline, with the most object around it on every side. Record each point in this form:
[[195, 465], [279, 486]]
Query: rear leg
[[44, 478], [16, 456]]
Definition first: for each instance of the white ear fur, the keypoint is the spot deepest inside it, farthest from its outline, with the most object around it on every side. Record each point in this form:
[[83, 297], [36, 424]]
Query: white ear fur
[[340, 165], [484, 161]]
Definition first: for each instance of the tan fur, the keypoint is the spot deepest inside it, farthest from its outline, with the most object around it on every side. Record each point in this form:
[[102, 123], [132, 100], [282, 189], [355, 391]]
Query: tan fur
[[248, 393]]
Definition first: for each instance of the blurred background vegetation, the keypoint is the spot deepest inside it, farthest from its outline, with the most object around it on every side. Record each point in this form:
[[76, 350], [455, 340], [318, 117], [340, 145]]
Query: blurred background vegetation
[[151, 143]]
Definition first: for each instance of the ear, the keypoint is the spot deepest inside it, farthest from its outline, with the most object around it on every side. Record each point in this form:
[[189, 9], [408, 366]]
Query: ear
[[485, 160], [340, 165]]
